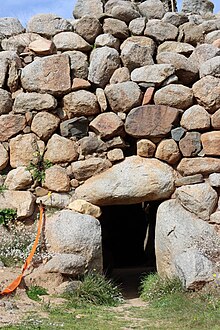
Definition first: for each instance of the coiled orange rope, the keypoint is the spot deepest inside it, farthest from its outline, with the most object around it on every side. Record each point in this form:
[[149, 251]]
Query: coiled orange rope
[[13, 286]]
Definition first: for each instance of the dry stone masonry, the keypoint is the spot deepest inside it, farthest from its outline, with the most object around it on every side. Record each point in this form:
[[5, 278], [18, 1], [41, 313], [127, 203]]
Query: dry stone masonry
[[118, 105]]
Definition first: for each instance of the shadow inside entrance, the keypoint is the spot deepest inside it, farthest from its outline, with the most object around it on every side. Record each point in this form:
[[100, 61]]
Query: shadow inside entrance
[[128, 233]]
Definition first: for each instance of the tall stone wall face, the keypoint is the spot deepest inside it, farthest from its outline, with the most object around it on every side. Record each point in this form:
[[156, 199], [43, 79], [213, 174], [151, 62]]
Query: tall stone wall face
[[117, 106]]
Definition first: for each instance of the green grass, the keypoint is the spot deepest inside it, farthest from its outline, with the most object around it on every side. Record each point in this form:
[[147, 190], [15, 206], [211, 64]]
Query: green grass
[[33, 292]]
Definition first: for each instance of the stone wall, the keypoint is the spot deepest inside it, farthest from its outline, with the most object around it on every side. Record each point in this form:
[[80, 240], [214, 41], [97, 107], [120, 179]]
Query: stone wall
[[120, 105]]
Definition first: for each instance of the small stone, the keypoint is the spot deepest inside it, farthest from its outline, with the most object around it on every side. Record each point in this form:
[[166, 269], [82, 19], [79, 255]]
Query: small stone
[[152, 9], [107, 125], [214, 180], [215, 218], [197, 7], [210, 67], [212, 36], [160, 31], [21, 201], [56, 179], [116, 142], [120, 75], [103, 62], [68, 287], [215, 120], [203, 165], [195, 118], [48, 25], [3, 71], [25, 102], [88, 28], [124, 12], [5, 102], [191, 179], [145, 148], [176, 47], [18, 179], [60, 150], [56, 200], [74, 183], [155, 74], [44, 124], [216, 43], [101, 98], [177, 133], [211, 143], [80, 103], [40, 192], [42, 46], [203, 53], [84, 207], [77, 127], [148, 95], [11, 125], [91, 144], [168, 151], [207, 93], [70, 41], [115, 155], [122, 97], [137, 26], [116, 27], [177, 96], [107, 39], [191, 33], [78, 63], [190, 145], [176, 19], [3, 157], [79, 83], [84, 169], [88, 7]]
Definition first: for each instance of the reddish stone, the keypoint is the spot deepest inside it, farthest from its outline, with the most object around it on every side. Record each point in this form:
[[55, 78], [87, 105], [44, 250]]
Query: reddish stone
[[215, 120], [107, 125], [148, 95], [190, 145], [211, 143], [10, 125]]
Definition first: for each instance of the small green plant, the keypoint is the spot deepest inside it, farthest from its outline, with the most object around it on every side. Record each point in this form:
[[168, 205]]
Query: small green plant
[[38, 167], [33, 292], [97, 290], [153, 287], [7, 215], [2, 189]]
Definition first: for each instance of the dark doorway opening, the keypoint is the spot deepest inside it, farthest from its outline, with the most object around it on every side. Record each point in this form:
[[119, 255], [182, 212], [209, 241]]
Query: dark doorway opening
[[128, 233]]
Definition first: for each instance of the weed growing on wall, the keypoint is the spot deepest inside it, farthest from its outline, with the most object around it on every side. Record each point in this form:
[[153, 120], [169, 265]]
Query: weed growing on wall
[[38, 167], [6, 216]]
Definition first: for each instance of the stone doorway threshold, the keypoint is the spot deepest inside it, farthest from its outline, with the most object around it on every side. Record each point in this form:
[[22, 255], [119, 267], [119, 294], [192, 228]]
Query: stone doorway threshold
[[129, 279]]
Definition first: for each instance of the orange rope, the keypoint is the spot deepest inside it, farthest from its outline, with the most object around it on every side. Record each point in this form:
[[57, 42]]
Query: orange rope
[[13, 286]]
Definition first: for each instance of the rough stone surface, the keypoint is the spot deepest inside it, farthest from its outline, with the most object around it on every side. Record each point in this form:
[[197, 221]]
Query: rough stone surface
[[88, 27], [215, 120], [107, 39], [44, 124], [56, 179], [131, 181], [205, 165], [101, 98], [177, 231], [151, 121], [3, 71], [207, 93], [168, 151], [84, 207], [24, 149], [212, 37], [145, 148], [79, 83], [197, 7], [152, 9], [116, 27], [84, 169], [43, 75], [191, 33], [42, 46], [210, 67], [81, 103], [190, 144], [69, 232], [195, 118], [19, 42], [191, 179], [177, 133], [137, 51], [10, 125], [137, 26], [124, 11], [175, 47], [120, 75], [5, 102], [200, 199], [67, 264], [160, 31], [48, 25], [214, 179], [18, 179], [77, 127], [89, 145], [176, 19], [25, 102], [21, 201], [3, 157], [185, 70], [211, 143], [10, 26], [122, 97], [203, 53], [155, 74], [177, 96], [215, 218], [148, 95], [60, 150], [78, 63], [56, 200], [104, 61], [115, 155], [65, 41], [88, 7], [107, 125]]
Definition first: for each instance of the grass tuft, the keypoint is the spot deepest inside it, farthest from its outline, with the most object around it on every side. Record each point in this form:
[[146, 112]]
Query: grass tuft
[[33, 292]]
